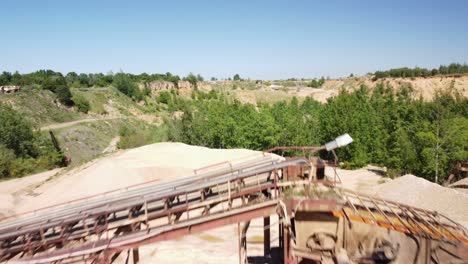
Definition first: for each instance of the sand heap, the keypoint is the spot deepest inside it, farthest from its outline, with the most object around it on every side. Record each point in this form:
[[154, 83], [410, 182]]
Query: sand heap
[[159, 162], [424, 194]]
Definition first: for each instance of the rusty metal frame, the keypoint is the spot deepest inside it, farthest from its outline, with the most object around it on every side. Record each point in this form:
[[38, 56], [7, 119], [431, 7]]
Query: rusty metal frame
[[130, 241], [166, 203]]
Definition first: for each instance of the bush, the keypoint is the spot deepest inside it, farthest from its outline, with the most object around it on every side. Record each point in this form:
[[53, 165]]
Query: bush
[[316, 83], [164, 97], [21, 150], [22, 166], [16, 133], [192, 79], [81, 103], [64, 95], [7, 157], [132, 138]]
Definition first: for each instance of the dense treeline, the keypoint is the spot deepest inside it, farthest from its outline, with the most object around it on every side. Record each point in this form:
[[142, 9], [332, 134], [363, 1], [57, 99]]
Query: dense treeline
[[60, 84], [72, 79], [48, 78], [23, 151], [453, 68], [390, 129]]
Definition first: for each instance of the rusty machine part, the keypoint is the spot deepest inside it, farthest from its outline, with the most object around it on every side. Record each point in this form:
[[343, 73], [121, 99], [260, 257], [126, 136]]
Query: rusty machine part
[[458, 172], [334, 225]]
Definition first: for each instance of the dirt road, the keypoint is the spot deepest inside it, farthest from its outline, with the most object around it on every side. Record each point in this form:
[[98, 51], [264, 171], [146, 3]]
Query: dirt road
[[72, 123]]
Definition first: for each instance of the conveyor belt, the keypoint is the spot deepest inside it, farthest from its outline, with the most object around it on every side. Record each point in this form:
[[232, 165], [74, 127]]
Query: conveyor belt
[[124, 215]]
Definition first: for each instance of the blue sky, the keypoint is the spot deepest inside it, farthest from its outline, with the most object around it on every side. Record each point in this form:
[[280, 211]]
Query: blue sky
[[257, 39]]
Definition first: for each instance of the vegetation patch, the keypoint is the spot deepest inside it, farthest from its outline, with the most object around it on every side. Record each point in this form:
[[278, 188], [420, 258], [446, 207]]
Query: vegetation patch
[[389, 128], [23, 150], [40, 107], [85, 141], [452, 69], [132, 136]]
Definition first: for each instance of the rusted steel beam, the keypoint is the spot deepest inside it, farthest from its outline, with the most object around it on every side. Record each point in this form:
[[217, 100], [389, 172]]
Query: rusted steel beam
[[176, 183], [310, 148], [143, 237], [168, 195], [159, 214]]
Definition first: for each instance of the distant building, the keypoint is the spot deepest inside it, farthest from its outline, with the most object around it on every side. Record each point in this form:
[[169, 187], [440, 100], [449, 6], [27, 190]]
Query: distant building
[[10, 89]]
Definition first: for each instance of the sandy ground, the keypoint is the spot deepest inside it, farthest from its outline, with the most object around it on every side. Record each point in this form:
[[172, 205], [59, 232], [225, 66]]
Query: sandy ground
[[165, 161], [362, 180], [424, 87], [12, 191], [318, 94]]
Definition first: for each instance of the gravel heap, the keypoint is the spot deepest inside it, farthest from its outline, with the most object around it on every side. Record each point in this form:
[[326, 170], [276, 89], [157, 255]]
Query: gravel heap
[[418, 192]]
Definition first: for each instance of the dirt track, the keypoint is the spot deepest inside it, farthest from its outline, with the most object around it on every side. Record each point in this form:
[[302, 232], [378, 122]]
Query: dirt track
[[72, 123]]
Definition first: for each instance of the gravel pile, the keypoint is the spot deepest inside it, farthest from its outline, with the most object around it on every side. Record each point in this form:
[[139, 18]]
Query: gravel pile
[[463, 183], [424, 194]]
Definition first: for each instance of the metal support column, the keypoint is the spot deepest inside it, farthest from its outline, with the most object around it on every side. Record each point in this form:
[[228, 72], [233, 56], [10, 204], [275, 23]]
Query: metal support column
[[239, 242], [245, 227], [280, 232], [285, 244], [266, 236], [136, 256]]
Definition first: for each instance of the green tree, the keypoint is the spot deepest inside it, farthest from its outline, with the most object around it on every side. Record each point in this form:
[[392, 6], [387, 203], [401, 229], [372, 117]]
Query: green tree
[[5, 78], [192, 79], [199, 78], [403, 156], [353, 113], [124, 84], [17, 79], [236, 77]]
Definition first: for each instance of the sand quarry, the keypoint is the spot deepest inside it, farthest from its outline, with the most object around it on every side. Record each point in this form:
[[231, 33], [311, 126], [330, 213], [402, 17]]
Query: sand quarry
[[166, 161]]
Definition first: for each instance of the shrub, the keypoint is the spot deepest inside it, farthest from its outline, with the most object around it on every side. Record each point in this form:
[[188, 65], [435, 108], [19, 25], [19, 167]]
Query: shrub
[[132, 138], [16, 133], [164, 97], [64, 95], [192, 79], [133, 141], [7, 157], [316, 83], [81, 103], [24, 166]]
